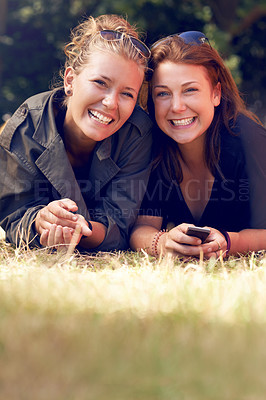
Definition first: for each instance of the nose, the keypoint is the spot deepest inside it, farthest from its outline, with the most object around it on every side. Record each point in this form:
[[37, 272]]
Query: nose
[[110, 100], [178, 103]]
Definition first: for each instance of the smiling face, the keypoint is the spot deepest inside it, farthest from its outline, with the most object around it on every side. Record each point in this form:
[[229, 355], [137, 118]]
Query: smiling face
[[184, 100], [103, 96]]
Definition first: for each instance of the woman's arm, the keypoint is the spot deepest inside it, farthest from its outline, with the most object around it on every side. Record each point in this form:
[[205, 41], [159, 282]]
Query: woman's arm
[[238, 242], [145, 228], [146, 235], [247, 240], [176, 241]]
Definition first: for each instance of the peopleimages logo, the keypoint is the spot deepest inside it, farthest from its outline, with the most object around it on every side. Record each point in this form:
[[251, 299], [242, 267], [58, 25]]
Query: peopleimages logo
[[244, 190], [120, 190], [236, 190], [123, 189], [193, 190]]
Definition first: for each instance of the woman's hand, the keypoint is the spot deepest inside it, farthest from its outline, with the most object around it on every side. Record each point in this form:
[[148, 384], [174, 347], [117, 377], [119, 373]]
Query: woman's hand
[[215, 244], [57, 225], [59, 237], [177, 243]]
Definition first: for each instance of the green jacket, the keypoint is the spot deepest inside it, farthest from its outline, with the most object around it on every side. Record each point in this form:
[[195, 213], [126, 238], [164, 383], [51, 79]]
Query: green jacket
[[35, 170]]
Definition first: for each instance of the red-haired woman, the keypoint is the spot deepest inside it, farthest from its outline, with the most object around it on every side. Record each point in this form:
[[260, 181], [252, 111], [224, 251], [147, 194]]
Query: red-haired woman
[[210, 164]]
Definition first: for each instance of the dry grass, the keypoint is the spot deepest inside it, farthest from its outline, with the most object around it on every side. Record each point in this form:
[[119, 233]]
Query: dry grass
[[125, 326]]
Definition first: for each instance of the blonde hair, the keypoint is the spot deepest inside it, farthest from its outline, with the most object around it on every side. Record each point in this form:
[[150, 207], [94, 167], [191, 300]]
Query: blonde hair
[[85, 39]]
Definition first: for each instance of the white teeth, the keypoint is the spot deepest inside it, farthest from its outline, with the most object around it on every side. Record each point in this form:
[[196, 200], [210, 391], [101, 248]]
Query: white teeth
[[181, 122], [99, 117]]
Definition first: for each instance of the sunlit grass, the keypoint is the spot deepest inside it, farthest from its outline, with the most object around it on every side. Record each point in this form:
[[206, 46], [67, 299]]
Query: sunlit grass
[[126, 326], [231, 291]]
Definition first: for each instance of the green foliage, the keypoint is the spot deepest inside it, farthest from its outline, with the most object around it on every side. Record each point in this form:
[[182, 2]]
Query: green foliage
[[31, 45]]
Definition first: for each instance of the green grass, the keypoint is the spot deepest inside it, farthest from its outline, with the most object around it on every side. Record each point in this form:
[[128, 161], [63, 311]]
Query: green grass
[[126, 326]]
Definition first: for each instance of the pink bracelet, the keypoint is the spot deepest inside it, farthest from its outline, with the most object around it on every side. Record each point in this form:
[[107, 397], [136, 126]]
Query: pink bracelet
[[154, 245]]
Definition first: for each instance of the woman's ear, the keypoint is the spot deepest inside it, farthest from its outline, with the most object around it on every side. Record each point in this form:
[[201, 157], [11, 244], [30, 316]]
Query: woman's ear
[[217, 93], [68, 81]]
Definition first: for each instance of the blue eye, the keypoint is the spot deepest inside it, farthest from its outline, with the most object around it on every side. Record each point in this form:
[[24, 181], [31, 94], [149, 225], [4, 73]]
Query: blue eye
[[189, 90], [162, 94], [127, 94], [100, 82]]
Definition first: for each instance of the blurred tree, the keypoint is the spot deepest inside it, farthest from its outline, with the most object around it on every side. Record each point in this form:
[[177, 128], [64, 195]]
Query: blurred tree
[[33, 33], [244, 23], [3, 17]]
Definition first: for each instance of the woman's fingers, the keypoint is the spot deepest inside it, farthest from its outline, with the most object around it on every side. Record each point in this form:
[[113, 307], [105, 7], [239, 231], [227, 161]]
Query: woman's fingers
[[178, 242], [215, 244], [183, 249], [44, 237], [215, 254], [69, 204], [57, 212], [59, 237], [54, 213], [58, 226], [85, 230], [55, 236], [67, 235]]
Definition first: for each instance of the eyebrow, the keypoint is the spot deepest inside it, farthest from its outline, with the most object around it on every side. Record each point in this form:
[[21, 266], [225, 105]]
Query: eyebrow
[[131, 89], [189, 82], [183, 84], [160, 86], [127, 87]]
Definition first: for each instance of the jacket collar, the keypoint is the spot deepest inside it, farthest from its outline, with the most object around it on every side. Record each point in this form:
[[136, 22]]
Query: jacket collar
[[53, 162], [55, 165], [46, 129]]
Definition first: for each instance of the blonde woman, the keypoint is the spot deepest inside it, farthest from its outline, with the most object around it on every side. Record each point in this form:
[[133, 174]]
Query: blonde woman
[[76, 159]]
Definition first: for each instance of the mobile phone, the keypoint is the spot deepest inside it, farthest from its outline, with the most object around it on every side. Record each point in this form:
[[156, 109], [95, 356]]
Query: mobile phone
[[197, 231]]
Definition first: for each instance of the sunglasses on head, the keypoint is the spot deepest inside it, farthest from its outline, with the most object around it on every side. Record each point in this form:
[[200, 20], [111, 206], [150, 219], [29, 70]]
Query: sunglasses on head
[[189, 37], [112, 36]]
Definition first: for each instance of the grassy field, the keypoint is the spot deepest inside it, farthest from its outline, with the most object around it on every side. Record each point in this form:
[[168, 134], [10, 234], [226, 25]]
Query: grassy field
[[124, 326]]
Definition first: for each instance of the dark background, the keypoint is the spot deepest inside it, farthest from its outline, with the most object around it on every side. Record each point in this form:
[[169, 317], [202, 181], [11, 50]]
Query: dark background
[[33, 33]]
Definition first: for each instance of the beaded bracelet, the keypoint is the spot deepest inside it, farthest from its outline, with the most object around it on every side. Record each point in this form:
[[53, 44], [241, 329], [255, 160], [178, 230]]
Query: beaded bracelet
[[228, 241], [154, 245]]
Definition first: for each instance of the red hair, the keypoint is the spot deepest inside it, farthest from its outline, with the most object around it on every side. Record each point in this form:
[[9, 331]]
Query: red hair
[[175, 50]]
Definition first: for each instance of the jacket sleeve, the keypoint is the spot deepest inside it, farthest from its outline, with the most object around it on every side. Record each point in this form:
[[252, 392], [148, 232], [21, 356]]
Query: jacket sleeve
[[19, 201], [253, 137], [120, 202], [22, 189]]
